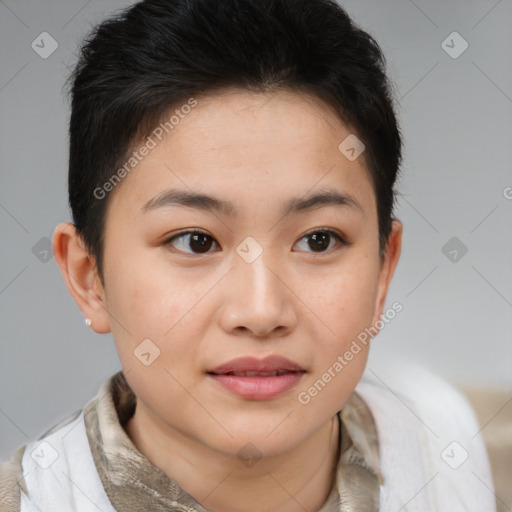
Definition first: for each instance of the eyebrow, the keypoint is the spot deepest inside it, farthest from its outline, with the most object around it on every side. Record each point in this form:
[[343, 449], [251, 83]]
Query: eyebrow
[[199, 201]]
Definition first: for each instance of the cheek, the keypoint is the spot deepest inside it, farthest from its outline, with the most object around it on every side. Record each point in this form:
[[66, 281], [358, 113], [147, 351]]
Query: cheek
[[150, 294], [154, 304], [345, 305], [346, 310], [345, 300]]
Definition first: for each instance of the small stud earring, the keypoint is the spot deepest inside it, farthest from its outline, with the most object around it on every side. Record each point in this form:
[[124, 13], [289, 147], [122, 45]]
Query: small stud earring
[[88, 322]]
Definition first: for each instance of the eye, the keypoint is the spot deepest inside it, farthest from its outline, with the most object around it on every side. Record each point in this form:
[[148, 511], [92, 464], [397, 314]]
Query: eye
[[198, 241], [321, 239]]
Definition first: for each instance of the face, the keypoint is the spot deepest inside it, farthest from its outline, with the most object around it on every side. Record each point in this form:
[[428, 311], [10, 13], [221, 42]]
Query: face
[[263, 273]]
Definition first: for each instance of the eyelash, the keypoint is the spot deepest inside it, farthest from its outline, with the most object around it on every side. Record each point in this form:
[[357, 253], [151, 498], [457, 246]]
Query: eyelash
[[330, 232]]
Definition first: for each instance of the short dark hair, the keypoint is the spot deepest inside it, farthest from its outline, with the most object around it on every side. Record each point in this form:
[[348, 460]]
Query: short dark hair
[[146, 59]]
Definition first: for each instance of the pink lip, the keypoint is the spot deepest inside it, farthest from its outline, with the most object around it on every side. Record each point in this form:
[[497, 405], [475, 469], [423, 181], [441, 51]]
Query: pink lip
[[253, 364], [258, 387]]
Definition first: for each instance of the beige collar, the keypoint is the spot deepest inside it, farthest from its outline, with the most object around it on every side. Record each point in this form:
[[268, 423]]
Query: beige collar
[[133, 483]]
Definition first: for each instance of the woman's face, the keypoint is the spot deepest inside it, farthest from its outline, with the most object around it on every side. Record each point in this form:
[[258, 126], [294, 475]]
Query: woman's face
[[266, 276]]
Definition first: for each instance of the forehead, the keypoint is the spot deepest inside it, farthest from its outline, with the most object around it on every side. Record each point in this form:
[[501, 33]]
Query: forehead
[[249, 147], [237, 119]]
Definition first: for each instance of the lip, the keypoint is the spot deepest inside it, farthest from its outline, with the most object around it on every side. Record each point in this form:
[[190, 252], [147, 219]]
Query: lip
[[253, 364], [285, 375]]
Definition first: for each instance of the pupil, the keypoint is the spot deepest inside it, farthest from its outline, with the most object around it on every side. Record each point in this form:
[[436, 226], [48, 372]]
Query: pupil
[[204, 245], [203, 242], [322, 240]]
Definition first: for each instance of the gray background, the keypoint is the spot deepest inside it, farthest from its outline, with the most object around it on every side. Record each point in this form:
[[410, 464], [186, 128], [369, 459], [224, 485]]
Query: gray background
[[456, 119]]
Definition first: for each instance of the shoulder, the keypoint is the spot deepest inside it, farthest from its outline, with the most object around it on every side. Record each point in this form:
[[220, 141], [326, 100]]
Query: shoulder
[[56, 469], [432, 454], [417, 397], [12, 482], [15, 472]]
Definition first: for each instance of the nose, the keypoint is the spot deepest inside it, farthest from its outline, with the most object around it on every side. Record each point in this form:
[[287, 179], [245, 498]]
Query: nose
[[257, 300]]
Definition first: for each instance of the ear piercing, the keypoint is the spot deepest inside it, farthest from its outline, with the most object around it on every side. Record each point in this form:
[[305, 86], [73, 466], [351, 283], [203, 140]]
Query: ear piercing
[[88, 322]]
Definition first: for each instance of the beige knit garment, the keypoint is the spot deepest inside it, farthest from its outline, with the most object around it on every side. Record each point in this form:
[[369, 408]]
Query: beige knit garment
[[133, 483]]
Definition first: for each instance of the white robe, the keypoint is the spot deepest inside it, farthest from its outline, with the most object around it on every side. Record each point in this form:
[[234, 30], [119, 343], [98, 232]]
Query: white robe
[[432, 456]]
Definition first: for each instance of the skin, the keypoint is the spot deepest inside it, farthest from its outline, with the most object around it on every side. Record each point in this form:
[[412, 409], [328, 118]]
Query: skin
[[202, 309]]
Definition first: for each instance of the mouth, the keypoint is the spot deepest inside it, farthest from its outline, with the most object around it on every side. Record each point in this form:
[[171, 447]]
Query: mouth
[[274, 373], [258, 379], [251, 364]]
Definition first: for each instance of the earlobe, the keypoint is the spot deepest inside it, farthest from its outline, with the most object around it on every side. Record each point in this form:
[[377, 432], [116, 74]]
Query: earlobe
[[388, 266], [79, 271]]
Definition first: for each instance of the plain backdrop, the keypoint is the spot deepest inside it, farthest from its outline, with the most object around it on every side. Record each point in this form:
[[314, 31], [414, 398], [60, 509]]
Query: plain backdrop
[[454, 278]]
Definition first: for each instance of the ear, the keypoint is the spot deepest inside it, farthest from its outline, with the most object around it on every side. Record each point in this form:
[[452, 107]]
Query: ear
[[388, 266], [80, 273]]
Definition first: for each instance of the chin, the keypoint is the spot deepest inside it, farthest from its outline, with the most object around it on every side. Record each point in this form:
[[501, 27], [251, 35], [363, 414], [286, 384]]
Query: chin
[[269, 434]]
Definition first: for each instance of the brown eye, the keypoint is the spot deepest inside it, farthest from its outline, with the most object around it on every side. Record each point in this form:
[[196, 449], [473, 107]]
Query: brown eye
[[192, 242], [321, 240], [197, 242]]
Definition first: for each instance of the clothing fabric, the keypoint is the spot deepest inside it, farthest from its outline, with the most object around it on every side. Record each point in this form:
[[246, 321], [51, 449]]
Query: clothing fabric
[[408, 444], [88, 462]]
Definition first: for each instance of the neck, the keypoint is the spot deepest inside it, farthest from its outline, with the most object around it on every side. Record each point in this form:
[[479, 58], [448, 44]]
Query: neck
[[300, 479]]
